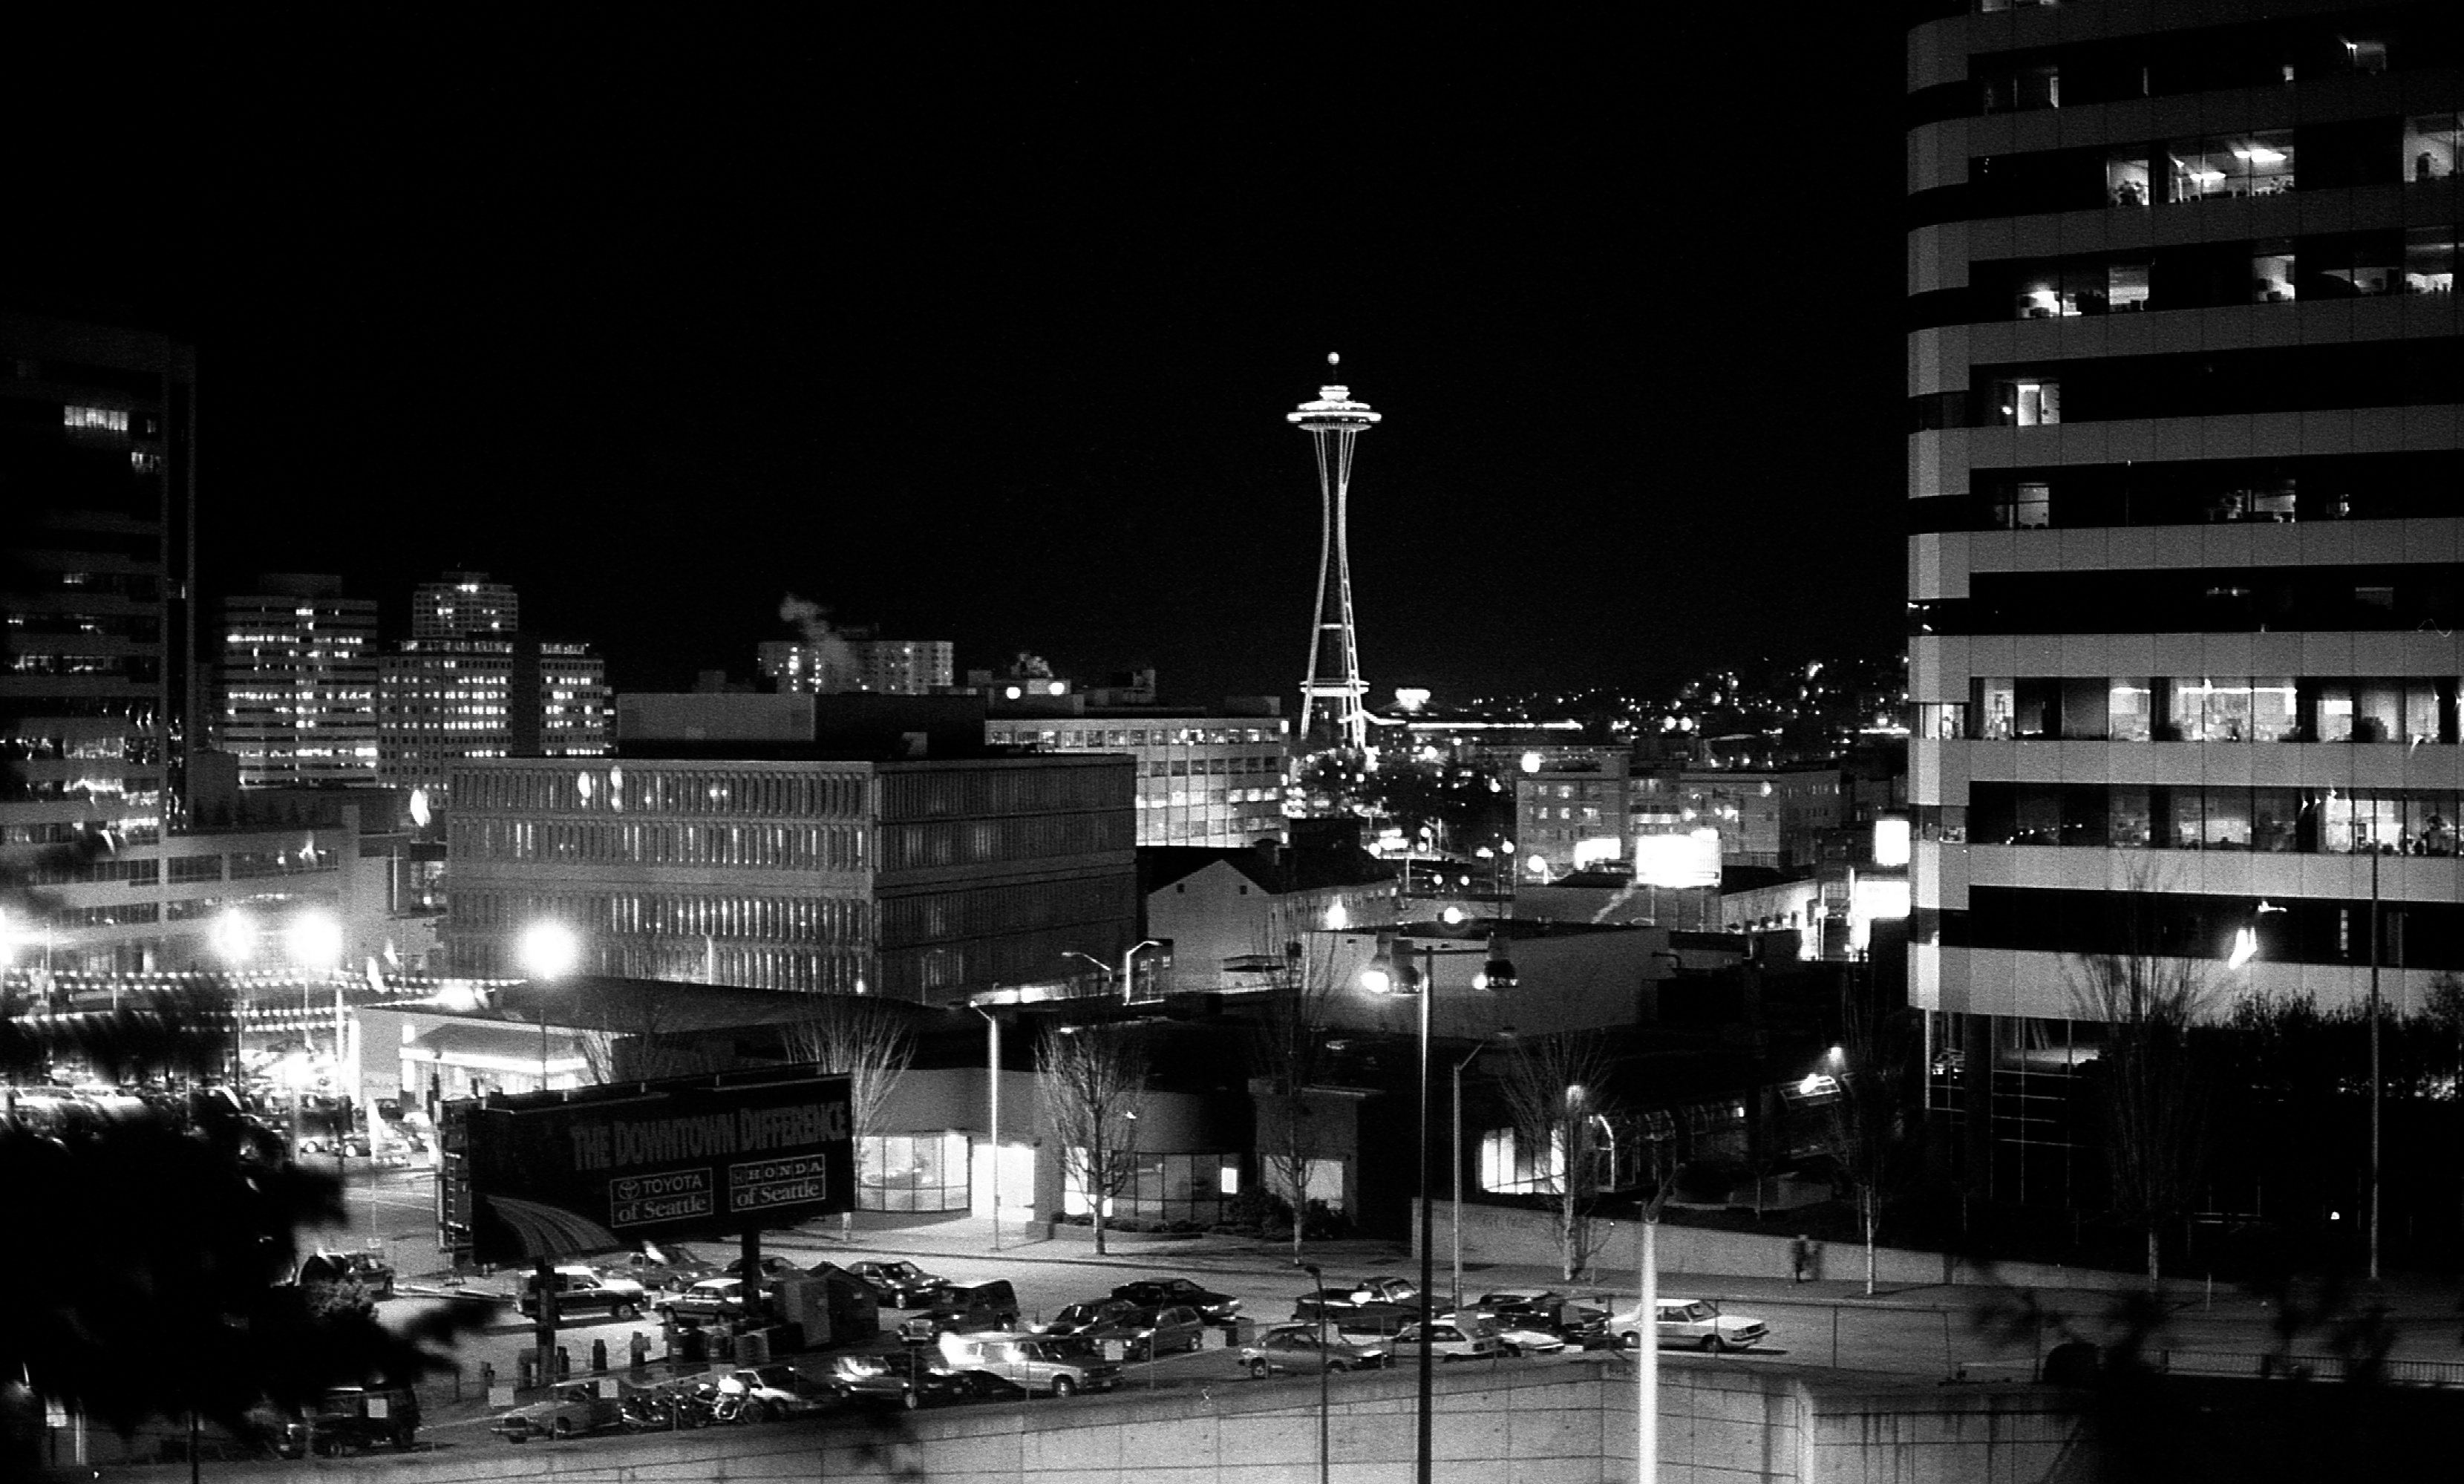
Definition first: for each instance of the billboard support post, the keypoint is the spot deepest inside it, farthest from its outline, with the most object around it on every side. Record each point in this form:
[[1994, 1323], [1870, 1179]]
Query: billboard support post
[[543, 1332]]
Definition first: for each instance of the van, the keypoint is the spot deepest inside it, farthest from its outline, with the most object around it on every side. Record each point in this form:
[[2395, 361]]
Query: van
[[354, 1417]]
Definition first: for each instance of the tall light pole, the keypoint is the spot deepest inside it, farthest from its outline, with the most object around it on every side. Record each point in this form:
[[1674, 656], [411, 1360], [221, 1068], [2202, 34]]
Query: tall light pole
[[313, 942], [2374, 1055], [1129, 964], [1392, 973], [1502, 1033], [992, 1084], [1317, 1277], [548, 952]]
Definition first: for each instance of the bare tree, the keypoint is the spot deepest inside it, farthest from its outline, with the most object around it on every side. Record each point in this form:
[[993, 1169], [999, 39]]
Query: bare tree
[[1556, 1091], [629, 1041], [1290, 1037], [2156, 1085], [1870, 1130], [871, 1042], [1094, 1086]]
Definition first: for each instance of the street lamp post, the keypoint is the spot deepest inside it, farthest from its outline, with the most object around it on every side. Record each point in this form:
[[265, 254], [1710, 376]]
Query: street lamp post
[[992, 1083], [1392, 973], [548, 952], [1502, 1033], [2374, 1058], [1317, 1277], [1129, 964]]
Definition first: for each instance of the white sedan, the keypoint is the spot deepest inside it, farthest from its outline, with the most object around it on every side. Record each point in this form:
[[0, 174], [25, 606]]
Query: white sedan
[[1695, 1323]]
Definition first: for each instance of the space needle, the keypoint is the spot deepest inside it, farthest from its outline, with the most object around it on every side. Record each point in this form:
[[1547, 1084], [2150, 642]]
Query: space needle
[[1333, 711]]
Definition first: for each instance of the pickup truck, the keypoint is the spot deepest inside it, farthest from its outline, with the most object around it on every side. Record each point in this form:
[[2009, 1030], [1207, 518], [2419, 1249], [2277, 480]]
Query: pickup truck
[[575, 1409], [1383, 1306]]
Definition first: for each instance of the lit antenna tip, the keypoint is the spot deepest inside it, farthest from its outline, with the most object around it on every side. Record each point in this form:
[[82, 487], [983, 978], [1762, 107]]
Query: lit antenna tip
[[1331, 359]]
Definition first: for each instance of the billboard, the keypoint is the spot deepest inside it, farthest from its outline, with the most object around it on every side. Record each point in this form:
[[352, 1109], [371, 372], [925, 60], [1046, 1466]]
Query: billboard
[[560, 1174], [1677, 860]]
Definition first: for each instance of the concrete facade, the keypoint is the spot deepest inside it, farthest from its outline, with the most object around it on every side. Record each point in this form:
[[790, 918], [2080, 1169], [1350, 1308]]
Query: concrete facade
[[1718, 1424]]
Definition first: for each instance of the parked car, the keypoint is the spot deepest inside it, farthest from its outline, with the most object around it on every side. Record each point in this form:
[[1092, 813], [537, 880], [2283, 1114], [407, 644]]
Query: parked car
[[771, 1267], [1695, 1322], [356, 1417], [1048, 1364], [1146, 1330], [1212, 1307], [579, 1290], [368, 1270], [902, 1285], [1079, 1317], [711, 1298], [573, 1410], [1451, 1337], [758, 1393], [1296, 1347], [914, 1379], [1570, 1321], [672, 1269], [965, 1307], [1368, 1304], [1523, 1334]]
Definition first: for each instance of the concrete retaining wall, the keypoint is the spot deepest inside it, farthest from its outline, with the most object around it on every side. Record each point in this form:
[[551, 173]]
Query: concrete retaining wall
[[1722, 1422], [1501, 1236]]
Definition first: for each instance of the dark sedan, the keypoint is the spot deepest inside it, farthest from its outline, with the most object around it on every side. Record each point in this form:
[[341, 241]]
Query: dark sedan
[[1146, 1330], [902, 1285], [913, 1380], [1212, 1307]]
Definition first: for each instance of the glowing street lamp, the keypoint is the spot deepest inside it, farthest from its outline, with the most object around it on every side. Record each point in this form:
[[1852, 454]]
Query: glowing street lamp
[[234, 937], [314, 940], [548, 951]]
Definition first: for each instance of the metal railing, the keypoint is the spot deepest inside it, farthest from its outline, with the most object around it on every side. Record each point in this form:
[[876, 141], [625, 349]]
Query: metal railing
[[2311, 1367]]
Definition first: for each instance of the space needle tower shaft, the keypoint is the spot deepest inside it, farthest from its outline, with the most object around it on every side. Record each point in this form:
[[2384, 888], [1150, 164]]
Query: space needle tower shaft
[[1333, 711]]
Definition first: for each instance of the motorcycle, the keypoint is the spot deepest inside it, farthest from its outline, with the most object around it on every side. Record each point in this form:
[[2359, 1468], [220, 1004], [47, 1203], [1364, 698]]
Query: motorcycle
[[668, 1410]]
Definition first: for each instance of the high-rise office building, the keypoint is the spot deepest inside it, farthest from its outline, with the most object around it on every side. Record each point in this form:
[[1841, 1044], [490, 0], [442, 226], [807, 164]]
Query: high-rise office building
[[2187, 561], [99, 691], [298, 699], [470, 684], [854, 660], [95, 476], [464, 605]]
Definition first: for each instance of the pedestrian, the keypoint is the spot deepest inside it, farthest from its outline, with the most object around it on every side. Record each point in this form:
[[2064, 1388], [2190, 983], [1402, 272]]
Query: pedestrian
[[1798, 1251], [640, 1345]]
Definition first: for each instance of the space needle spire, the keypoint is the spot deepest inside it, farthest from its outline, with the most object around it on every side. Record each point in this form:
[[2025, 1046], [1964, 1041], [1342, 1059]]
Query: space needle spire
[[1332, 709]]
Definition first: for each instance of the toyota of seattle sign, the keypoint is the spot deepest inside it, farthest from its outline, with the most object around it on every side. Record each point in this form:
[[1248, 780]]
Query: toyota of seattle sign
[[559, 1175]]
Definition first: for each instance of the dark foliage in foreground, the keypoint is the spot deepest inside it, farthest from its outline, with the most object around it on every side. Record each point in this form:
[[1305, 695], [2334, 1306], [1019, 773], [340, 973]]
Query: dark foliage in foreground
[[150, 1258]]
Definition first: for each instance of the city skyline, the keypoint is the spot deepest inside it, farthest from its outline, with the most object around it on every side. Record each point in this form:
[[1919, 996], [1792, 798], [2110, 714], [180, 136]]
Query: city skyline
[[1002, 353]]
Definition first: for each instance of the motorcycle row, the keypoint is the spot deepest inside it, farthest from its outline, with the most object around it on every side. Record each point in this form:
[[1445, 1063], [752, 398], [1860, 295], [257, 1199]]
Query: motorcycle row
[[672, 1409]]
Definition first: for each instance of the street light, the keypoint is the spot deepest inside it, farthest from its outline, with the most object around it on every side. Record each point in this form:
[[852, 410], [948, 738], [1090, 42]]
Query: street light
[[992, 1082], [1500, 1033], [1129, 964], [1317, 1277], [1387, 974], [548, 951]]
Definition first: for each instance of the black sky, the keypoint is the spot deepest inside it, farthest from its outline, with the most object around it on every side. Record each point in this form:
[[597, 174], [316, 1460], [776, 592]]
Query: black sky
[[990, 336]]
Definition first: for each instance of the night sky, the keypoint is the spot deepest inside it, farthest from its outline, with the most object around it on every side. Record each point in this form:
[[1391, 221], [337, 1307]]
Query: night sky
[[989, 335]]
